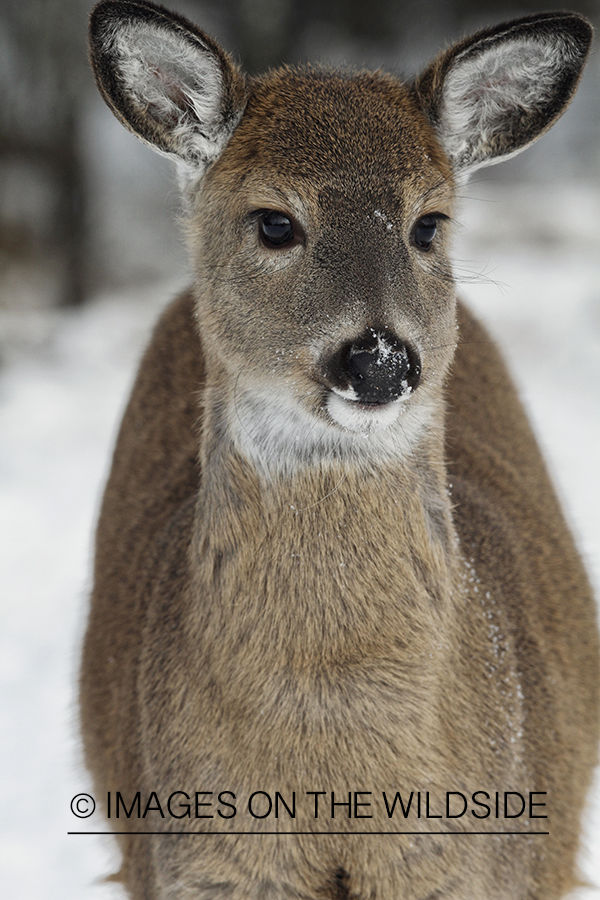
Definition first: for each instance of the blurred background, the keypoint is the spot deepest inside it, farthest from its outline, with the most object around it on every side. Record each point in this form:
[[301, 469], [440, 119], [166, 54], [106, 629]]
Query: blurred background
[[73, 183], [90, 251]]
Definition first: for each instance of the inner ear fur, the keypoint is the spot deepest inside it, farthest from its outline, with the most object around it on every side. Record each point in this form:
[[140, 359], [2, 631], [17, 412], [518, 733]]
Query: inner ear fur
[[494, 93], [166, 80]]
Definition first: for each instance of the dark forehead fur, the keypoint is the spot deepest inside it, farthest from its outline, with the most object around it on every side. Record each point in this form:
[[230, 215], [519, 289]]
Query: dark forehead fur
[[310, 121]]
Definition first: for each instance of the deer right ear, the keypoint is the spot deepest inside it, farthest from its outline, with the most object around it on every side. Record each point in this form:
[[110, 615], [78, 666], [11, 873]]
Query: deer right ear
[[491, 95], [167, 81]]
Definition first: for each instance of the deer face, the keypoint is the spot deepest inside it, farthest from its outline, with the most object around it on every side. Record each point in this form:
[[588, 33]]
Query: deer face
[[320, 215], [321, 247]]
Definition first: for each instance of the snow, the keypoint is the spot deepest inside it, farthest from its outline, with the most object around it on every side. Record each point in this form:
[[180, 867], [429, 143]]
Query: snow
[[540, 297], [62, 390]]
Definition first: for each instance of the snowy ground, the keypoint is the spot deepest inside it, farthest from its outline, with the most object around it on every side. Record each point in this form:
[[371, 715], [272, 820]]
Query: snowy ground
[[62, 388]]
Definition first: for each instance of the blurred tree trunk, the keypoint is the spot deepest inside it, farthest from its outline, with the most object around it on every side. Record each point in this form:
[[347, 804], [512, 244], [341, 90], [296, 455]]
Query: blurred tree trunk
[[42, 52]]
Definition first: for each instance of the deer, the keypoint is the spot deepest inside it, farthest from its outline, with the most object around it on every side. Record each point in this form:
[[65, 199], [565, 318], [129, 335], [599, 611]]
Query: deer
[[331, 569]]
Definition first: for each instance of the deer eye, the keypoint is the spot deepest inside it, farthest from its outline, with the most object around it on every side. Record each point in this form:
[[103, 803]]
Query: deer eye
[[424, 232], [275, 229]]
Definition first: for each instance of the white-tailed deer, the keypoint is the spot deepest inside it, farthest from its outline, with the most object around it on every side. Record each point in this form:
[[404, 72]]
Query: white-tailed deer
[[329, 558]]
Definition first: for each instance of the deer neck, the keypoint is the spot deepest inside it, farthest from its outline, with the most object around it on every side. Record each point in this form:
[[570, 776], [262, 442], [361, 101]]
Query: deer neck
[[308, 560]]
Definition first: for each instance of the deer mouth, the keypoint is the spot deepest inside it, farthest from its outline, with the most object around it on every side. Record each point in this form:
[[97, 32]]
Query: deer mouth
[[354, 414], [350, 395]]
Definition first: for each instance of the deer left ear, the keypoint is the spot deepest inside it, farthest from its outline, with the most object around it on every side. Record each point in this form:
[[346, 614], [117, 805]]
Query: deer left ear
[[491, 95]]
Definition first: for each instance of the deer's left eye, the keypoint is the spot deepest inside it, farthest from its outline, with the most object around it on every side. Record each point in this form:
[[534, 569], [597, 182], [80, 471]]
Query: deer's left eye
[[425, 231]]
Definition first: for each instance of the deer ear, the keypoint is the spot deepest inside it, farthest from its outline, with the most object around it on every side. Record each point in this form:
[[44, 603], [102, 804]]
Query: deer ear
[[169, 83], [491, 95]]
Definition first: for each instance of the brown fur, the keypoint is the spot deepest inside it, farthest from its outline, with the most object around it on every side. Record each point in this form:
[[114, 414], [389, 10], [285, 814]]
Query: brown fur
[[345, 623]]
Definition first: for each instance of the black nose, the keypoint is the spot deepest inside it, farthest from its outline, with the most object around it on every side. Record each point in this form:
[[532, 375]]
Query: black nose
[[380, 367]]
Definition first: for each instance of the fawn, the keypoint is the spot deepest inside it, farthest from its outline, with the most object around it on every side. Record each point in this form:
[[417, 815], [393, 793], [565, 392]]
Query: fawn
[[340, 636]]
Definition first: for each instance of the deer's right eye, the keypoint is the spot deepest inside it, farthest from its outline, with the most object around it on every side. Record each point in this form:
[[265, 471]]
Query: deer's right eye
[[275, 229]]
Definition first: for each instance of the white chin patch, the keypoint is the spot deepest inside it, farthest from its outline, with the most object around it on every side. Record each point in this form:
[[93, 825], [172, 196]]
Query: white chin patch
[[279, 435], [359, 417]]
